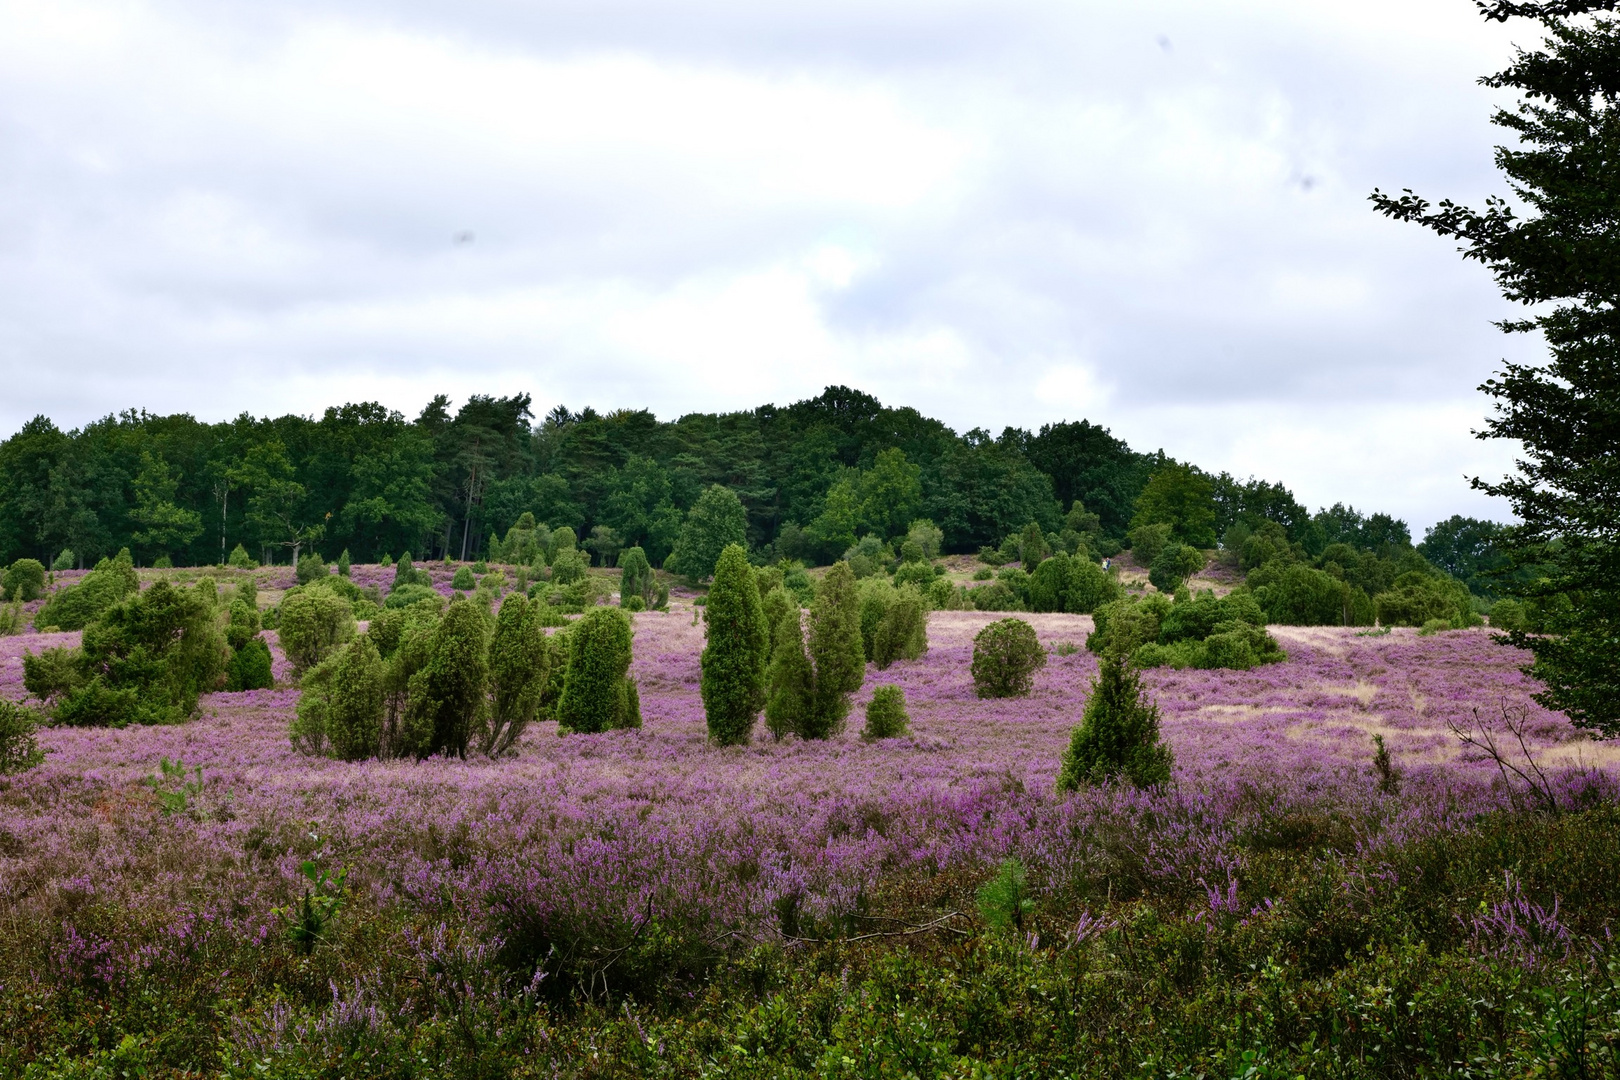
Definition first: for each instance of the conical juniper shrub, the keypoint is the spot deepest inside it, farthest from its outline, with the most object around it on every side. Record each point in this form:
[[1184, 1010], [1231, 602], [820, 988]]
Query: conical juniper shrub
[[1006, 655], [315, 622], [404, 638], [886, 714], [1118, 736], [902, 633], [877, 596], [597, 694], [519, 664], [738, 650], [635, 577], [446, 697], [791, 681], [251, 667], [340, 709], [835, 651]]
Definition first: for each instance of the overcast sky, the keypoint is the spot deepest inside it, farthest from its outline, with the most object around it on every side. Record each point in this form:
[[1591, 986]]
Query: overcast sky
[[1149, 215]]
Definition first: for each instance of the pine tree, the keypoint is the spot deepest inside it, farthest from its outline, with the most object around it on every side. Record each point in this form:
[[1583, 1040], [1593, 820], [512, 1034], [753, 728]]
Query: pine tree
[[1118, 736], [1564, 413], [738, 650], [835, 650]]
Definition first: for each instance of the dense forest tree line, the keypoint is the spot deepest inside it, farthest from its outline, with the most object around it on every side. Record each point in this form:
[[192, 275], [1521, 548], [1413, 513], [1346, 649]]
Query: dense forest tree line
[[814, 478]]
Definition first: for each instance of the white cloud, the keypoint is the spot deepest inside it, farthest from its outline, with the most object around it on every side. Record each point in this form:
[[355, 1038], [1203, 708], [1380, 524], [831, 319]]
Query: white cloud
[[1005, 213]]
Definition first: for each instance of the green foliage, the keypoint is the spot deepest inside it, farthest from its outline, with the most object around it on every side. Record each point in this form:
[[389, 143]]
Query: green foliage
[[19, 750], [790, 681], [995, 597], [737, 650], [1417, 598], [447, 693], [175, 793], [1147, 541], [250, 667], [568, 566], [144, 660], [241, 560], [926, 536], [886, 715], [1071, 584], [404, 596], [916, 572], [24, 581], [314, 623], [406, 573], [597, 694], [309, 921], [343, 563], [311, 568], [1006, 655], [1118, 736], [1032, 547], [64, 560], [73, 607], [520, 660], [1174, 565], [1293, 594], [836, 652], [636, 578], [716, 521], [563, 539], [11, 620], [1550, 248], [341, 709], [1004, 901], [876, 596], [1125, 624], [870, 556], [605, 543], [386, 561], [902, 631], [1182, 497], [463, 579]]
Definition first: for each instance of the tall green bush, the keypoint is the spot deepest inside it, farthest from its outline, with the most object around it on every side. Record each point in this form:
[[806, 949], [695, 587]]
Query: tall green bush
[[314, 623], [1147, 541], [446, 695], [463, 579], [1072, 584], [310, 568], [19, 749], [24, 580], [597, 693], [737, 652], [75, 606], [836, 652], [568, 566], [791, 680], [520, 658], [1118, 736], [902, 633], [1174, 564], [1006, 655], [1032, 547], [886, 714], [341, 709], [1416, 598], [64, 560], [636, 577], [241, 560]]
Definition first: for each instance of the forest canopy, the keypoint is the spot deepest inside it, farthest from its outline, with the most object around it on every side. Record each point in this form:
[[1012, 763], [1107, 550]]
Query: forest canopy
[[813, 478]]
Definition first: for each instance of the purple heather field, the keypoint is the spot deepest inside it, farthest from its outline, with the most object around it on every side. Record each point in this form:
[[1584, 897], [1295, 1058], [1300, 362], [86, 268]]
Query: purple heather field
[[605, 827]]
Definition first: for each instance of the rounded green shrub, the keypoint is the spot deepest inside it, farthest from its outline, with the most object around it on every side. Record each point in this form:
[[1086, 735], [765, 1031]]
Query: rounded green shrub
[[65, 559], [1006, 655], [597, 694], [715, 521], [737, 650], [463, 579], [1174, 564], [24, 580], [568, 566], [311, 568], [1118, 736], [886, 714], [75, 606], [250, 667], [313, 623], [340, 711], [404, 596]]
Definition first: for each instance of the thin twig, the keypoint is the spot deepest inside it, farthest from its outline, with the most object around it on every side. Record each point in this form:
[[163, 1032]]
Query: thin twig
[[937, 924]]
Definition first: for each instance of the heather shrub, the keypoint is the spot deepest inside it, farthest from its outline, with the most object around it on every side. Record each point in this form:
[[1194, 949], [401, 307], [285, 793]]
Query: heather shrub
[[837, 656], [597, 693], [24, 581], [886, 714], [902, 632], [446, 694], [520, 658], [313, 623], [737, 650], [19, 750], [1118, 736], [1147, 541], [790, 679], [1006, 655], [74, 606], [66, 558], [1174, 564], [635, 577], [463, 579], [311, 568]]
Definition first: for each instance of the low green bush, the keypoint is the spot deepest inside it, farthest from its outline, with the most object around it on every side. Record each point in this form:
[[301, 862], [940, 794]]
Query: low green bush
[[73, 607], [886, 715], [24, 581], [310, 568], [1006, 655], [597, 692], [404, 596], [314, 622], [463, 579], [64, 560], [1118, 735]]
